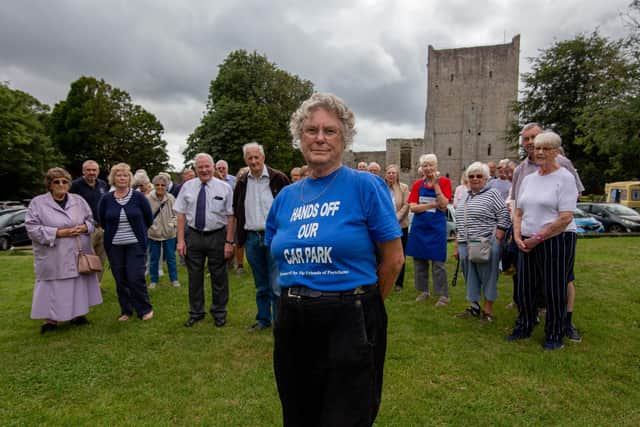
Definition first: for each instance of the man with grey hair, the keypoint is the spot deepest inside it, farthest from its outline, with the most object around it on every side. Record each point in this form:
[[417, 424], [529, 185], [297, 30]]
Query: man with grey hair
[[374, 168], [252, 199], [527, 167], [204, 209], [223, 169], [91, 188]]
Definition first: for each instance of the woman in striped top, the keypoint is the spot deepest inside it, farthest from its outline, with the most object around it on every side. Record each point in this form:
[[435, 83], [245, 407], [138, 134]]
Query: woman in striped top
[[126, 216], [480, 213]]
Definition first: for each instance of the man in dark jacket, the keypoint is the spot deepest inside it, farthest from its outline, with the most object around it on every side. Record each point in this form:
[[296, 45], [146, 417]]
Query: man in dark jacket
[[252, 199]]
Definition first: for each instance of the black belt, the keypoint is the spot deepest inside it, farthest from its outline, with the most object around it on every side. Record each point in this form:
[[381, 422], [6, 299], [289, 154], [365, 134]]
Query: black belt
[[205, 233], [259, 232], [303, 291]]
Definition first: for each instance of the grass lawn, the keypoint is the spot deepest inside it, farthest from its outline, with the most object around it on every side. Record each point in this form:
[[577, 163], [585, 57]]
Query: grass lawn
[[439, 370]]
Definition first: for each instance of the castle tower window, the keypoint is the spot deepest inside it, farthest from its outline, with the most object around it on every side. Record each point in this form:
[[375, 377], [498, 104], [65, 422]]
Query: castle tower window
[[490, 74], [405, 158], [489, 150], [449, 151], [451, 77]]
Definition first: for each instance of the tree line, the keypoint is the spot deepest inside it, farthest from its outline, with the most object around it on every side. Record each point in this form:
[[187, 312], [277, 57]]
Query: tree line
[[585, 88]]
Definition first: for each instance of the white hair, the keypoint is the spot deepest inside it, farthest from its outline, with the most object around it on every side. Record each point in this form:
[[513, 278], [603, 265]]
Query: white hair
[[331, 103], [548, 137], [428, 158], [478, 167], [203, 156], [222, 162], [249, 145]]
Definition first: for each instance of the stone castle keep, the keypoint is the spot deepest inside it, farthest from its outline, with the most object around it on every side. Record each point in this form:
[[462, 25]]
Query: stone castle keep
[[469, 96]]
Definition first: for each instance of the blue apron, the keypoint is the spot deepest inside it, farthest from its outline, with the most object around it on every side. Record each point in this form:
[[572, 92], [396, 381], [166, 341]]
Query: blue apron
[[428, 233]]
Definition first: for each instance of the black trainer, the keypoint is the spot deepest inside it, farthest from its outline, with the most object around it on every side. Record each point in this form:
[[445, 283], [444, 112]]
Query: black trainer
[[550, 345], [518, 334], [572, 333]]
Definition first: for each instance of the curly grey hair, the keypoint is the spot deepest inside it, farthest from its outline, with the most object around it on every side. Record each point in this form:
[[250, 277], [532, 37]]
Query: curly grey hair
[[331, 103]]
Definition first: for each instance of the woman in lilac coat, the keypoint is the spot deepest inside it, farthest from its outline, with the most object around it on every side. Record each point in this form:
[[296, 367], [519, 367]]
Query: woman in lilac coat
[[57, 222]]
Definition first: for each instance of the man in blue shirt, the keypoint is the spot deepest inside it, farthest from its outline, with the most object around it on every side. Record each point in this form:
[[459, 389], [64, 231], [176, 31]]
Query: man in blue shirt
[[223, 169], [91, 188]]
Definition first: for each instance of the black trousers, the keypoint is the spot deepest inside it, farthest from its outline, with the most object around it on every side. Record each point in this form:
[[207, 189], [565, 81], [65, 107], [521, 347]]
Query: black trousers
[[209, 248], [128, 263], [329, 358], [549, 266]]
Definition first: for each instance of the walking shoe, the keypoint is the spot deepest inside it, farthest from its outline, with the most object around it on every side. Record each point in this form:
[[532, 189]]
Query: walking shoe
[[550, 345], [468, 312], [572, 333], [240, 270], [257, 327], [518, 334], [398, 288], [153, 285], [78, 321], [442, 301], [511, 305], [175, 284], [46, 327], [423, 296]]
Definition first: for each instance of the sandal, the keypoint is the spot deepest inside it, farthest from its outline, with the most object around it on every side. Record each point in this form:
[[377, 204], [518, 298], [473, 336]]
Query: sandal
[[148, 316], [486, 317], [123, 318]]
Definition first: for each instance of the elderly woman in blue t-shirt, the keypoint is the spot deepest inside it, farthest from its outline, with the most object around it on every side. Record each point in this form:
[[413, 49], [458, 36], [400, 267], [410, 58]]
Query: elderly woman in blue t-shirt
[[330, 333]]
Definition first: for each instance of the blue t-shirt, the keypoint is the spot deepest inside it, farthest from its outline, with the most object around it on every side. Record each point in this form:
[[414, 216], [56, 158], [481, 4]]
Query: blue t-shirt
[[323, 231]]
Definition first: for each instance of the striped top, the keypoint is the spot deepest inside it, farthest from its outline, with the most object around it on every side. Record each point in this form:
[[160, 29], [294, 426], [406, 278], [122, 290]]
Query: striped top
[[124, 234], [485, 211]]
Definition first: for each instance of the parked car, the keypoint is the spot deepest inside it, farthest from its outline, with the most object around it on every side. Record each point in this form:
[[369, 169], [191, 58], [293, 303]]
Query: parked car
[[615, 218], [586, 223], [13, 232], [6, 204]]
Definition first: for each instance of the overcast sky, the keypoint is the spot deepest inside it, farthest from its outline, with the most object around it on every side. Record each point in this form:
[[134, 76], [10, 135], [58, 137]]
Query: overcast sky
[[371, 53]]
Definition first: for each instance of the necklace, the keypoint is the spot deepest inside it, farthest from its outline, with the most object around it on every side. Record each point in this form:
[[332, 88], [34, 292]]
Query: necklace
[[324, 190]]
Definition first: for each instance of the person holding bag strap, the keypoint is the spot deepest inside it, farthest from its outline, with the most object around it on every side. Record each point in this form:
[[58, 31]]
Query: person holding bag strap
[[482, 219]]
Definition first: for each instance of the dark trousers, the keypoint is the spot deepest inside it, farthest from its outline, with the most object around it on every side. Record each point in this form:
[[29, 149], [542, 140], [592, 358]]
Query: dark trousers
[[128, 263], [548, 266], [329, 358], [210, 248], [400, 279]]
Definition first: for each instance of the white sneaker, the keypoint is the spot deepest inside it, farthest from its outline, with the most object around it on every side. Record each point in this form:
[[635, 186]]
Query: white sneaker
[[442, 301], [152, 285], [423, 296], [175, 284]]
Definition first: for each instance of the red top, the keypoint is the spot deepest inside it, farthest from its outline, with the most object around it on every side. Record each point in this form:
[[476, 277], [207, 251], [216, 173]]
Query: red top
[[445, 187]]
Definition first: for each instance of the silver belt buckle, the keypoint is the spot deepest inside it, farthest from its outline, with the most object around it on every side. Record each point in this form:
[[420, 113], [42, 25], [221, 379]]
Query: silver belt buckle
[[358, 291], [290, 295]]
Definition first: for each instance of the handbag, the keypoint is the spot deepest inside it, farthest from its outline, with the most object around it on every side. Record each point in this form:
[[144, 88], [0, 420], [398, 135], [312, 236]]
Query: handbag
[[87, 263], [478, 248]]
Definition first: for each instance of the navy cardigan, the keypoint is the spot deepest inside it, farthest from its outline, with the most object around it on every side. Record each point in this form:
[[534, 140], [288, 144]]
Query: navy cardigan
[[138, 213]]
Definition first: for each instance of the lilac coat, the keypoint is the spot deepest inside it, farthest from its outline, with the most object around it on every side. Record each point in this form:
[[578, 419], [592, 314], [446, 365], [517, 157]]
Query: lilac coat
[[57, 258]]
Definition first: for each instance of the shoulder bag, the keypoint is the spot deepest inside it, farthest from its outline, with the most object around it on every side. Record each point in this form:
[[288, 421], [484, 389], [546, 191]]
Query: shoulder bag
[[87, 263], [478, 248]]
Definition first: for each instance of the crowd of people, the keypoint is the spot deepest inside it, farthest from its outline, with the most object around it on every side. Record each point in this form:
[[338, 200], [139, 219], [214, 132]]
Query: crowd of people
[[326, 246]]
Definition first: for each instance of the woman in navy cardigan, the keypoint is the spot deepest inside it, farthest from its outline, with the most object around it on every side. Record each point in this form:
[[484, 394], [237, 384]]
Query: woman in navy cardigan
[[125, 215]]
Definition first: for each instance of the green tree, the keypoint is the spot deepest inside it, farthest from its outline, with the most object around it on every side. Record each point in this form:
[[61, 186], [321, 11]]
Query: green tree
[[97, 121], [568, 83], [251, 99], [27, 151]]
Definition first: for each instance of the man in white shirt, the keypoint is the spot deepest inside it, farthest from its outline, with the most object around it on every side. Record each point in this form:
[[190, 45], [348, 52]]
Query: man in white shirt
[[204, 208], [252, 199]]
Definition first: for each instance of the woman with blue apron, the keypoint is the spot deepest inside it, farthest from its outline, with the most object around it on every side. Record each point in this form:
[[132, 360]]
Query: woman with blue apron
[[428, 234]]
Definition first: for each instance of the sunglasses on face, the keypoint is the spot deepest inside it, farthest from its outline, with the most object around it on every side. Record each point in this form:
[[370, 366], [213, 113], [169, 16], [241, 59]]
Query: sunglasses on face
[[476, 176], [60, 181]]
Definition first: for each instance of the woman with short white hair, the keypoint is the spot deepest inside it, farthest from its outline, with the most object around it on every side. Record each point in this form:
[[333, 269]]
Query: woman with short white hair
[[545, 232], [481, 215], [427, 241]]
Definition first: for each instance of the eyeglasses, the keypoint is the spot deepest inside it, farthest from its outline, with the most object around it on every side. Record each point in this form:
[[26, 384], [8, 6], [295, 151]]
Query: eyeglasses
[[476, 176], [329, 132], [60, 182], [160, 185]]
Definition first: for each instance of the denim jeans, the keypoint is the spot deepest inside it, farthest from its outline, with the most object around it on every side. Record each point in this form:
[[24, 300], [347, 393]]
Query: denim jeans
[[265, 276], [481, 279], [169, 249], [329, 358]]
